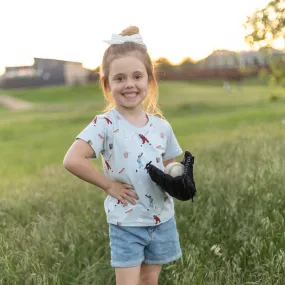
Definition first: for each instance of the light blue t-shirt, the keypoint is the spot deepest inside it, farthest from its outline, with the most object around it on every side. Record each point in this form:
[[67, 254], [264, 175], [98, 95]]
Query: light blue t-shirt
[[125, 150]]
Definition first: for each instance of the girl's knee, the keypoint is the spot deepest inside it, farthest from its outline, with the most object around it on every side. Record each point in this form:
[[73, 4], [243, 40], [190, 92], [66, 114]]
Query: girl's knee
[[149, 279], [128, 276], [149, 274]]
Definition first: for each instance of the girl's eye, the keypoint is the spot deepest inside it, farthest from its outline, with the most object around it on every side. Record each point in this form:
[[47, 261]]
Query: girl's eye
[[119, 78], [138, 76]]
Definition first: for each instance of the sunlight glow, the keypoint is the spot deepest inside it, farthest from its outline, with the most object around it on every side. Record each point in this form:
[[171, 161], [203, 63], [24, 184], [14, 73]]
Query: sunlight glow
[[72, 30]]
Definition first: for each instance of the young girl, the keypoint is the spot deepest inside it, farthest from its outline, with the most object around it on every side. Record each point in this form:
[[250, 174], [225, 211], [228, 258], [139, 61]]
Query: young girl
[[127, 136]]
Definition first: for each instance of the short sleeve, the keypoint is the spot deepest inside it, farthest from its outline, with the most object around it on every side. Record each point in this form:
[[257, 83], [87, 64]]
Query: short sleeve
[[173, 148], [95, 135]]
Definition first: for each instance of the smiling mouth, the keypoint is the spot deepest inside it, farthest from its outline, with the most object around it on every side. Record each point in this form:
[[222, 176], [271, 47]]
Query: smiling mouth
[[130, 95]]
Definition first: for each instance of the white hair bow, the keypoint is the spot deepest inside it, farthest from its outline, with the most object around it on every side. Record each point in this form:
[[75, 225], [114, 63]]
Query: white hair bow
[[118, 39]]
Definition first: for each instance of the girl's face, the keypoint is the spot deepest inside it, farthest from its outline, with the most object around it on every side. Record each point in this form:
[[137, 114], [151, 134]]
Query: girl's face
[[128, 82]]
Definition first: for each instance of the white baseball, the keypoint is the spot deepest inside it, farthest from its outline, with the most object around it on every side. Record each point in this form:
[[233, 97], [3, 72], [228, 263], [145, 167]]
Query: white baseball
[[174, 169]]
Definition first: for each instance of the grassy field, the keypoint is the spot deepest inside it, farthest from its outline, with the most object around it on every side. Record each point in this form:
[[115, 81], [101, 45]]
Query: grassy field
[[52, 225]]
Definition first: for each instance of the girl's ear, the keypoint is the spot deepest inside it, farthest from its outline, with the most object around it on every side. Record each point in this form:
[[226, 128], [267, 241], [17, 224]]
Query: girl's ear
[[106, 84], [149, 80]]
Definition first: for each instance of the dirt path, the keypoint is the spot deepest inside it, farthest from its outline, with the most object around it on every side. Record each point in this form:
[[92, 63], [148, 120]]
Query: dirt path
[[13, 103]]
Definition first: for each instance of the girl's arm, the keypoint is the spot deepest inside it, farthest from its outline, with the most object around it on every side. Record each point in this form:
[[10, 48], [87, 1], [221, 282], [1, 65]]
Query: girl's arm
[[168, 161], [77, 162]]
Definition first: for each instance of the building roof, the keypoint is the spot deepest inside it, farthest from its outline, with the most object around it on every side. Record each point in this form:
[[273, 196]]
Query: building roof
[[58, 60], [13, 68]]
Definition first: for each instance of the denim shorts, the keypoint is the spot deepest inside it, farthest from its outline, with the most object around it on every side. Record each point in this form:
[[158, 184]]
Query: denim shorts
[[131, 246]]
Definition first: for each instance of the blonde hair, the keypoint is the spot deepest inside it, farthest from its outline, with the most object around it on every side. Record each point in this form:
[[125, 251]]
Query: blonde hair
[[150, 104]]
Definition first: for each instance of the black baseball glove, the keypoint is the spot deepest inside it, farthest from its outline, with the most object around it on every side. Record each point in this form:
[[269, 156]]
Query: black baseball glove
[[181, 187]]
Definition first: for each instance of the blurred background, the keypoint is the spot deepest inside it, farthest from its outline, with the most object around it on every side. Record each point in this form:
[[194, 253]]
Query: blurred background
[[221, 72], [62, 42]]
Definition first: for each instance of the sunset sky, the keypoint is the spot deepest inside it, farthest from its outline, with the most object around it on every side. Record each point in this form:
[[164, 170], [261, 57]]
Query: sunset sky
[[74, 30]]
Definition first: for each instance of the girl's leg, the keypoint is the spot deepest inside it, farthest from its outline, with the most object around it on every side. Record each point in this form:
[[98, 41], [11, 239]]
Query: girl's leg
[[128, 276], [149, 274]]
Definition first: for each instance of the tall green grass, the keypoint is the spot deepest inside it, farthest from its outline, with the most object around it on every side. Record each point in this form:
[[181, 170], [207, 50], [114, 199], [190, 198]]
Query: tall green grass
[[52, 225]]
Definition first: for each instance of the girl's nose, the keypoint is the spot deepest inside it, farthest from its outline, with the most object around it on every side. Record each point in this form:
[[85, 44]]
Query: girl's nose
[[129, 83]]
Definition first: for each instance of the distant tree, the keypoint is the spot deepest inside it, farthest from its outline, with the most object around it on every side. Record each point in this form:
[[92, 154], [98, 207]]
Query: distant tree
[[267, 24], [163, 62], [163, 68], [187, 62], [263, 28], [94, 74]]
